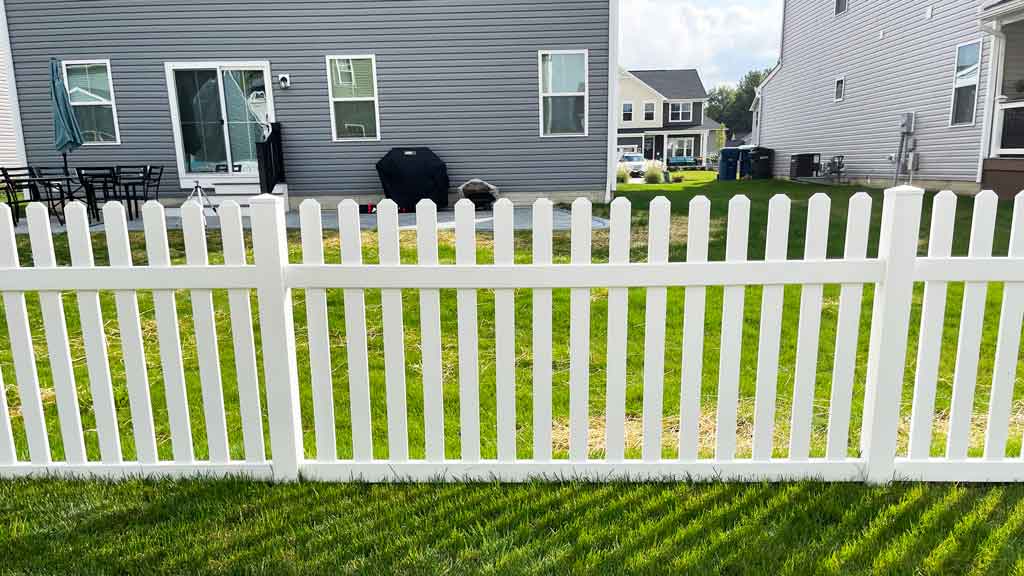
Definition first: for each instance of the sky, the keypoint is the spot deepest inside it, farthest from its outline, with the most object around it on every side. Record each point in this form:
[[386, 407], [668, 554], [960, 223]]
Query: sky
[[722, 39]]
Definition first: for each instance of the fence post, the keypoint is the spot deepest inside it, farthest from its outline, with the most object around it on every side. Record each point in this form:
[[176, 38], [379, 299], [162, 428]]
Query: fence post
[[277, 331], [890, 323]]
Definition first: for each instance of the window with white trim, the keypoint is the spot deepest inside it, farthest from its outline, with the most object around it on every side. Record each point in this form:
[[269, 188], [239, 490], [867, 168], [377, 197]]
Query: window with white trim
[[627, 111], [91, 93], [965, 84], [355, 107], [680, 112], [563, 92], [840, 90], [841, 6], [649, 108]]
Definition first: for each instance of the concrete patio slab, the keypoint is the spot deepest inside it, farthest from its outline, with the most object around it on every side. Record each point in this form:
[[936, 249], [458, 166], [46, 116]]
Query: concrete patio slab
[[522, 220]]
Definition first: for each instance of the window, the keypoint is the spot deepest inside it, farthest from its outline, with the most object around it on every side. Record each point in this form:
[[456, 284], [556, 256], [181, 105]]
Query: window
[[965, 84], [355, 111], [91, 93], [627, 111], [649, 111], [840, 93], [563, 92], [680, 112], [840, 7]]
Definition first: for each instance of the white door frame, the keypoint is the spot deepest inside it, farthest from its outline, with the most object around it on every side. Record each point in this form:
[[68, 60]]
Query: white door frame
[[188, 179]]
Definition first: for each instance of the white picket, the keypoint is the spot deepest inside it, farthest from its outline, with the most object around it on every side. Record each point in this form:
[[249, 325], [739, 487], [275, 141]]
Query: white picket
[[166, 312], [430, 334], [542, 254], [8, 455], [933, 317], [737, 234], [858, 224], [194, 229], [697, 237], [815, 249], [505, 334], [22, 350], [579, 336], [244, 344], [618, 335], [319, 337], [776, 248], [1007, 348], [52, 308], [394, 336], [355, 335], [132, 347], [660, 221], [965, 377], [469, 385]]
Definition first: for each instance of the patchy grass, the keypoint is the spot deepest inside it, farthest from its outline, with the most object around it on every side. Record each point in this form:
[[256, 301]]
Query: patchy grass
[[237, 527]]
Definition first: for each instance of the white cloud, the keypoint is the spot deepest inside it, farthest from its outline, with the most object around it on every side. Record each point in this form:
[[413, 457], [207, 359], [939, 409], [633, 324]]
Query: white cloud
[[722, 40]]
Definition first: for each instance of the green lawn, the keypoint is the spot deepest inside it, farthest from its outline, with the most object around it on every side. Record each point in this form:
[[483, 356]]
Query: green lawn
[[233, 527], [218, 525]]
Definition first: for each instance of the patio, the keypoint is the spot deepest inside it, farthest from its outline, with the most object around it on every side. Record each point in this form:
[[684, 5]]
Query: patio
[[523, 219]]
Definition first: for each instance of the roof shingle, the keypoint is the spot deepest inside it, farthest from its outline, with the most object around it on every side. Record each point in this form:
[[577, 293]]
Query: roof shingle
[[673, 84]]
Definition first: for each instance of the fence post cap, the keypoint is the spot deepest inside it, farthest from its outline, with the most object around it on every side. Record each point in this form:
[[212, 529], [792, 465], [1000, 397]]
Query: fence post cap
[[904, 191]]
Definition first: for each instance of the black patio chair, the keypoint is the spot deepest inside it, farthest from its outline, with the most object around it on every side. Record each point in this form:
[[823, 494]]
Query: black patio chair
[[156, 173], [19, 190], [100, 185], [131, 182]]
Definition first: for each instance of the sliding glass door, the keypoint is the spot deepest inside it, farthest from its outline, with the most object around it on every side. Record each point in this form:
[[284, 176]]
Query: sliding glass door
[[220, 112]]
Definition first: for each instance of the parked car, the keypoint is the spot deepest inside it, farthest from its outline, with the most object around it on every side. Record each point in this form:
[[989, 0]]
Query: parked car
[[634, 164]]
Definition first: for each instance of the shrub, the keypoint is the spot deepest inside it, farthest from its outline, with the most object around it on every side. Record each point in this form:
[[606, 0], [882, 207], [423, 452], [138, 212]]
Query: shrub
[[622, 175], [678, 177], [654, 177]]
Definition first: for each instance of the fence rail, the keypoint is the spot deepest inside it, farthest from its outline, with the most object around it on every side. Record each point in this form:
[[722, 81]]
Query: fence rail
[[274, 391]]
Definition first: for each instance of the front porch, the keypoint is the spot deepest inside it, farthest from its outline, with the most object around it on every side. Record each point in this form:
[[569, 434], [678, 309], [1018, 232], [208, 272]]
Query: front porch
[[1003, 165]]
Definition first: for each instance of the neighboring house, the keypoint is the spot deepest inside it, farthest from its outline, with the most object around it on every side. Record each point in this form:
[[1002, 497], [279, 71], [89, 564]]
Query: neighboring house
[[849, 70], [661, 113], [11, 153], [737, 140], [515, 93]]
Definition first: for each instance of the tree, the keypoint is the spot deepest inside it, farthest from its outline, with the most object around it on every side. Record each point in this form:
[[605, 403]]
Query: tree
[[731, 106]]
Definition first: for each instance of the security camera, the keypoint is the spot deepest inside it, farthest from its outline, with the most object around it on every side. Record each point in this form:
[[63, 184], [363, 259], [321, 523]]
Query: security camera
[[284, 81]]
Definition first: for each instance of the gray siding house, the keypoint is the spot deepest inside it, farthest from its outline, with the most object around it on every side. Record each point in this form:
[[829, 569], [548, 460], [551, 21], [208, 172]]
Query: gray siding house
[[661, 114], [849, 70], [514, 92]]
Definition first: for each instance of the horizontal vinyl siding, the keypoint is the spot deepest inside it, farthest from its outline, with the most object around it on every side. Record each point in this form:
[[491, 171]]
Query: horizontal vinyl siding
[[909, 70], [459, 76], [8, 135]]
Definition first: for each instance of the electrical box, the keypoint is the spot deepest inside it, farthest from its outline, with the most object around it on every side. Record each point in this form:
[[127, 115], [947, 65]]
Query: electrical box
[[907, 122]]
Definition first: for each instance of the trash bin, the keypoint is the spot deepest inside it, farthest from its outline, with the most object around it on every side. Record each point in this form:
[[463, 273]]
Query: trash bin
[[744, 162], [728, 163], [761, 161]]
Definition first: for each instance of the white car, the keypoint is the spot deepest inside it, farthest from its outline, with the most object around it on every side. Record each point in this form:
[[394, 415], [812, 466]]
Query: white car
[[634, 164]]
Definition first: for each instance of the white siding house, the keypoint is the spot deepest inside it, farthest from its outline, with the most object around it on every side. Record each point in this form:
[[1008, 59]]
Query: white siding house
[[849, 71], [11, 148]]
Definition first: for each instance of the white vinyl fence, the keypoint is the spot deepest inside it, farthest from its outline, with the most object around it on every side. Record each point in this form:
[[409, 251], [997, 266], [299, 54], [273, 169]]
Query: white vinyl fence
[[894, 274]]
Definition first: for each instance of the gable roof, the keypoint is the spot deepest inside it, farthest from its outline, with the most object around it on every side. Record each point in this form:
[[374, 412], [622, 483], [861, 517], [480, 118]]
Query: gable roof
[[673, 84]]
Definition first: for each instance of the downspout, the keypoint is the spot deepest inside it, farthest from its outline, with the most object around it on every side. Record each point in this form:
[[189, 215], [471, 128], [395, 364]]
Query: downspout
[[19, 134], [995, 55], [613, 97]]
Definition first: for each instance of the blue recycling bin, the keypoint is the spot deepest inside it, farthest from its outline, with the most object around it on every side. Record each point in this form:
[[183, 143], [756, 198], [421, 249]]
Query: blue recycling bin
[[728, 163]]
